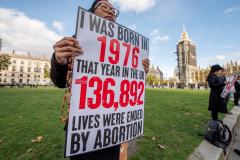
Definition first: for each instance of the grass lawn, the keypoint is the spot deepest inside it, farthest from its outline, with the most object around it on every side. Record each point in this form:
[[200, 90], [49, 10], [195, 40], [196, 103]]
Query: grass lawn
[[170, 117]]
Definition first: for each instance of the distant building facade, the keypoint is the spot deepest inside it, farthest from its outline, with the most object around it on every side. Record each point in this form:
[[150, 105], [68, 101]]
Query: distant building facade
[[187, 59], [25, 69], [155, 71], [201, 74]]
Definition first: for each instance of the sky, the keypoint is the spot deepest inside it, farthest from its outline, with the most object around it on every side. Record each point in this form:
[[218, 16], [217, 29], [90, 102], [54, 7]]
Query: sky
[[213, 25]]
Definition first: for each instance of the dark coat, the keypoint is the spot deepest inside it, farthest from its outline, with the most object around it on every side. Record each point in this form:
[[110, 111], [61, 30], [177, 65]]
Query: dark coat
[[58, 72], [237, 86], [216, 103]]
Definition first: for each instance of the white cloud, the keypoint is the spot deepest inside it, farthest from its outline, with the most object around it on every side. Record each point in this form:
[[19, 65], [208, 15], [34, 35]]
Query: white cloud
[[164, 38], [217, 58], [23, 34], [229, 10], [222, 57], [134, 5], [156, 48], [133, 27], [151, 58], [219, 29], [154, 32], [58, 25], [227, 46]]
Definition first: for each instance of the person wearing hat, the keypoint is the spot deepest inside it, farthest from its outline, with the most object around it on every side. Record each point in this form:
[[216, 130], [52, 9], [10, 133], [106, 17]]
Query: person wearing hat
[[216, 103], [237, 94]]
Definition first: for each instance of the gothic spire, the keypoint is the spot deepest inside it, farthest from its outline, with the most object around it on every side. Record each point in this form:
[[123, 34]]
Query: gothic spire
[[184, 34]]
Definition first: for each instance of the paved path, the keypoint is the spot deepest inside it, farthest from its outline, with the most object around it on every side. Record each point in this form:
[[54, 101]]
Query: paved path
[[236, 144]]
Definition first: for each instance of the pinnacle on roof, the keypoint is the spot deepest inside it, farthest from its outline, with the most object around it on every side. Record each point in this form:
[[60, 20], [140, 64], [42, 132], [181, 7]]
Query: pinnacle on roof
[[184, 34]]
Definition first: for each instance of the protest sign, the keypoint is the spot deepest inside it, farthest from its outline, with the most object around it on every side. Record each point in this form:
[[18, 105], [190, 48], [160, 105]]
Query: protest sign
[[232, 89], [108, 85], [228, 87]]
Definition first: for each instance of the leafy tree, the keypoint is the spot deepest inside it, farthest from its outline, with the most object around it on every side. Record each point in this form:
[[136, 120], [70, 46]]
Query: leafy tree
[[171, 80], [152, 78], [47, 71], [4, 61]]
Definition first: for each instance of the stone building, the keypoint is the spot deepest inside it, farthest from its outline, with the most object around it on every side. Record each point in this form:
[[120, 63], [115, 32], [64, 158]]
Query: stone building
[[200, 74], [25, 69], [155, 71], [186, 57]]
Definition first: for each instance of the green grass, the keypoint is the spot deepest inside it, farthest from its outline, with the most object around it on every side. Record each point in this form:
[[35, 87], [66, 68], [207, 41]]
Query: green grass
[[165, 119]]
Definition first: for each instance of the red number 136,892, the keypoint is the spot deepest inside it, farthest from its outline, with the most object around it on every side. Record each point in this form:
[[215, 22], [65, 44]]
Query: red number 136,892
[[101, 93]]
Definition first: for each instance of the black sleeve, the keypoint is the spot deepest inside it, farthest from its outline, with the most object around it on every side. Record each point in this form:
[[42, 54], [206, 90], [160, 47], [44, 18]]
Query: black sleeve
[[58, 72], [212, 84], [237, 85]]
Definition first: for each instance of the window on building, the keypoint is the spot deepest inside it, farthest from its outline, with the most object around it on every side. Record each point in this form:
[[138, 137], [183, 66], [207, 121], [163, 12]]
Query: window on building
[[5, 74], [44, 80], [29, 69], [28, 75], [28, 80], [13, 68], [5, 80], [29, 62], [38, 76], [13, 75], [14, 61], [38, 70], [38, 63], [21, 75], [4, 68], [21, 68], [0, 79], [12, 80], [20, 80], [22, 62], [0, 74]]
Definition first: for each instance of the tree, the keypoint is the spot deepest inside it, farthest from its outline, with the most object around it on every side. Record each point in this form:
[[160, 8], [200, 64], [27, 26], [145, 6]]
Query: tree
[[152, 78], [47, 71], [171, 80], [4, 61]]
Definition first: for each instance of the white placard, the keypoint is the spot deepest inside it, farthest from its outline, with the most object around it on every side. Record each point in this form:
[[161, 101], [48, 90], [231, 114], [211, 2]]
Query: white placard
[[108, 85], [228, 87]]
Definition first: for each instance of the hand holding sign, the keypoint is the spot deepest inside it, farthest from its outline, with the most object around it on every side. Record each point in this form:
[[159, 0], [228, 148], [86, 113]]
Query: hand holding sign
[[63, 49], [226, 82]]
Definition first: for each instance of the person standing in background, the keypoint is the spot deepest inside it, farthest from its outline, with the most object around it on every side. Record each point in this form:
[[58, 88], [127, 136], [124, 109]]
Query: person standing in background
[[237, 94], [216, 103]]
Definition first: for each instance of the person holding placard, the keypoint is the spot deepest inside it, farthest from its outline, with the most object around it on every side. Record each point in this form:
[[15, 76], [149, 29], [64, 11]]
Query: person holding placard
[[63, 50], [216, 103], [237, 94]]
